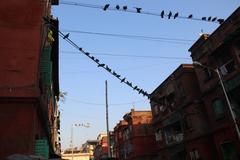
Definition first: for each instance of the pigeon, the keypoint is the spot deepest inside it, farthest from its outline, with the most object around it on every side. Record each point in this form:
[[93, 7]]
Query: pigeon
[[106, 7], [80, 49], [66, 36], [101, 65], [214, 19], [190, 16], [169, 15], [96, 60], [209, 18], [123, 80], [138, 10], [175, 16], [87, 53], [124, 8], [117, 7], [220, 21], [135, 87], [204, 18], [118, 76], [162, 14]]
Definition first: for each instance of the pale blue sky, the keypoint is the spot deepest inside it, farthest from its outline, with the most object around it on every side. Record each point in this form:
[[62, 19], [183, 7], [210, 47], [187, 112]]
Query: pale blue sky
[[84, 81]]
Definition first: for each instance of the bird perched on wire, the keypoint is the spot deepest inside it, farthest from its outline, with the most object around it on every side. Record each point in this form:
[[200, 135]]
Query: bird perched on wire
[[118, 76], [117, 7], [123, 80], [169, 15], [106, 7], [138, 9], [190, 16], [175, 15], [135, 87], [87, 53], [204, 18], [209, 18], [101, 65], [66, 36], [214, 19], [96, 60], [93, 58], [220, 21], [114, 73], [124, 8], [162, 14]]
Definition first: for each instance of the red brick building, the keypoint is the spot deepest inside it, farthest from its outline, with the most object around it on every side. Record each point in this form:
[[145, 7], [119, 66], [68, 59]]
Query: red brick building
[[101, 149], [221, 50], [133, 135], [28, 78], [179, 121]]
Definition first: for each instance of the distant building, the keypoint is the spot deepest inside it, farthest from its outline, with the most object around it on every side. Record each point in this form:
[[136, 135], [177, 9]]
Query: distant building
[[76, 156], [133, 134], [89, 146], [29, 84], [221, 50], [101, 149]]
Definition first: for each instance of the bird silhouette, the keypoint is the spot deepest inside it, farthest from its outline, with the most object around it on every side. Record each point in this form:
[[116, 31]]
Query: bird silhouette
[[124, 8], [209, 18], [87, 53], [117, 7], [101, 65], [220, 21], [204, 18], [93, 58], [135, 87], [138, 9], [114, 73], [190, 16], [175, 15], [162, 14], [66, 36], [118, 76], [96, 60], [106, 7], [108, 69], [123, 80], [138, 89], [214, 19], [169, 15], [80, 49]]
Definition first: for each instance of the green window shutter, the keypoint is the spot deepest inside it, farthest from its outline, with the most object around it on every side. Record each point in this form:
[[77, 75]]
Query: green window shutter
[[218, 108], [46, 54], [41, 148], [46, 72]]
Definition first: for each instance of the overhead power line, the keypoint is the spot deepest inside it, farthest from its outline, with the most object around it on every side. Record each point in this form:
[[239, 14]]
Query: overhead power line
[[137, 37], [138, 10], [132, 56]]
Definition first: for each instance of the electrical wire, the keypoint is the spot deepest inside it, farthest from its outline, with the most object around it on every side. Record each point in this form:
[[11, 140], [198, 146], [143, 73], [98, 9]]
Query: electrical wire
[[101, 104], [132, 56], [137, 37]]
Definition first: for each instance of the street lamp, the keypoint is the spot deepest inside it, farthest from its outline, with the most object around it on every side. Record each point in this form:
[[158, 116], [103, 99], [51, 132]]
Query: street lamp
[[87, 125], [224, 91]]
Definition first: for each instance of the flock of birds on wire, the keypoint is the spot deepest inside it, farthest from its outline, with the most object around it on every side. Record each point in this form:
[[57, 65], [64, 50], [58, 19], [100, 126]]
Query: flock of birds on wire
[[106, 67], [164, 14]]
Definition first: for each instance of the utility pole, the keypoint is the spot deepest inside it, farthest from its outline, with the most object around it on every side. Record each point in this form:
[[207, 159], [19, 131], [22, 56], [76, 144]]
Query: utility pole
[[108, 134]]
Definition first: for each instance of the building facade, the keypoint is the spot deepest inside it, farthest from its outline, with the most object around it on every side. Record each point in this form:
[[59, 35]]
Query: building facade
[[220, 52], [29, 85], [179, 120]]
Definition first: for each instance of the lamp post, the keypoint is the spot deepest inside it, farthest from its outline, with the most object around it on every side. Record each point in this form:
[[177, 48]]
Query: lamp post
[[225, 93], [87, 125]]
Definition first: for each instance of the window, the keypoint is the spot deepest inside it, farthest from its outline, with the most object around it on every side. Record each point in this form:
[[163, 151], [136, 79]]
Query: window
[[187, 122], [158, 135], [218, 108], [229, 151], [207, 74], [194, 155]]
